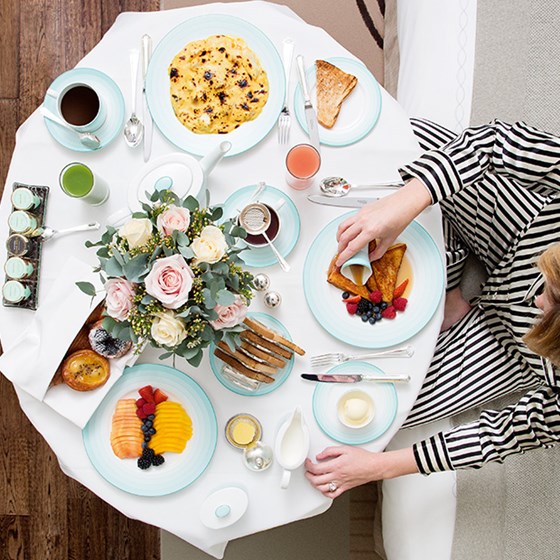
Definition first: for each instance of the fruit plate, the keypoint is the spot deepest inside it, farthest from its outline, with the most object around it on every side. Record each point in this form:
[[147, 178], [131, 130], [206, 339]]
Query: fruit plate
[[179, 470], [326, 396], [425, 290], [264, 388]]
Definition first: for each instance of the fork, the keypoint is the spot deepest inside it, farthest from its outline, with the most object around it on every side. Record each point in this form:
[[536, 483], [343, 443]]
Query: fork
[[338, 357], [284, 119]]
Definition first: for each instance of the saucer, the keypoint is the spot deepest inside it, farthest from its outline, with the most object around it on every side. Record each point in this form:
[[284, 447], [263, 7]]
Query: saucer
[[108, 92], [180, 172], [261, 257], [327, 395]]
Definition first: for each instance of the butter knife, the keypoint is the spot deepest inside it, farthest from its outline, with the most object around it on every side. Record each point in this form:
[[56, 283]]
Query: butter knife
[[355, 377], [309, 111], [344, 201], [148, 123]]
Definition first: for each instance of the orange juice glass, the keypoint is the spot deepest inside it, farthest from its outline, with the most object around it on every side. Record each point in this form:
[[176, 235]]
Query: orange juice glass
[[302, 162]]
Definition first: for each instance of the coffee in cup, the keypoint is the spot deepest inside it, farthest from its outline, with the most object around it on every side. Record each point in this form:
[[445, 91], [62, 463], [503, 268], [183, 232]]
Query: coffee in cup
[[80, 106]]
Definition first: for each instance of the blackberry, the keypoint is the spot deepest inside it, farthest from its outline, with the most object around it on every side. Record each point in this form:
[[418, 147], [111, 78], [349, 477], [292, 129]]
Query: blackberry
[[158, 460], [363, 305], [148, 453], [144, 463]]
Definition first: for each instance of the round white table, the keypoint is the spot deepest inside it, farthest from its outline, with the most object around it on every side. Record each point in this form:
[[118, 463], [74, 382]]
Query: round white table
[[376, 157]]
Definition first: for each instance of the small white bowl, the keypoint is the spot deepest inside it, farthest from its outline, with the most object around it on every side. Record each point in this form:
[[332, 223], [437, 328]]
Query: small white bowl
[[355, 409]]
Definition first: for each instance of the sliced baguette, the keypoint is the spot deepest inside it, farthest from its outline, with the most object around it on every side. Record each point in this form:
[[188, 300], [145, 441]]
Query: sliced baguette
[[333, 87], [247, 360], [236, 364], [270, 334]]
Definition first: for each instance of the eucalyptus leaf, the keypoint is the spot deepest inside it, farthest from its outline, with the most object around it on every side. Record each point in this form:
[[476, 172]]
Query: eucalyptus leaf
[[196, 359], [113, 267], [103, 253], [217, 213], [190, 203], [168, 252], [187, 252], [147, 299], [153, 196], [87, 287], [118, 257], [181, 238], [209, 301], [108, 324], [136, 268], [165, 355], [225, 297], [220, 268]]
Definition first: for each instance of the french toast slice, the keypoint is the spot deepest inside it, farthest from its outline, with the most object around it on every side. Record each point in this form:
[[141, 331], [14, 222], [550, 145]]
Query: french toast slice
[[338, 280], [386, 269]]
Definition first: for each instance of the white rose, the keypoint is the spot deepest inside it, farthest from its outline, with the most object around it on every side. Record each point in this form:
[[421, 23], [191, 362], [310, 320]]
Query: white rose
[[211, 246], [167, 330], [137, 232]]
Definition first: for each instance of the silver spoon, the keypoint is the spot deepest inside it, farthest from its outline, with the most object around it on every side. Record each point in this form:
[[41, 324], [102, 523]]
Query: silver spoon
[[49, 232], [88, 139], [133, 129], [338, 186]]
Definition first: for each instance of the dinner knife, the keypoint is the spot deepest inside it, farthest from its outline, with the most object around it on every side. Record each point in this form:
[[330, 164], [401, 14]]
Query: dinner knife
[[148, 124], [344, 201], [355, 377], [310, 115]]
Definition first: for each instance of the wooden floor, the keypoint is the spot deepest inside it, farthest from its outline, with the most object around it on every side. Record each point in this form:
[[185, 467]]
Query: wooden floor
[[44, 514]]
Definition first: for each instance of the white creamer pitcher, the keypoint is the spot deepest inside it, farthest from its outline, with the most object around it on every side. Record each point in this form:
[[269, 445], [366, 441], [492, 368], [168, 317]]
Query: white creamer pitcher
[[292, 445]]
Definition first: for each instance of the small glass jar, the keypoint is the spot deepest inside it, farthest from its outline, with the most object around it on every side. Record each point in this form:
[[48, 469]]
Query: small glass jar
[[24, 199], [17, 245], [18, 268], [15, 292], [243, 430], [22, 222]]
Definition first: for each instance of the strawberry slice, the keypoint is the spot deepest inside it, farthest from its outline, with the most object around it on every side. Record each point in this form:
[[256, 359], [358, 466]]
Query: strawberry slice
[[147, 393], [352, 299], [159, 396], [375, 296], [399, 290]]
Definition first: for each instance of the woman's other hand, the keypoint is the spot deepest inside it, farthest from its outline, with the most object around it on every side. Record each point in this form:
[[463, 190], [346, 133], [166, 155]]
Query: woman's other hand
[[383, 220], [347, 467]]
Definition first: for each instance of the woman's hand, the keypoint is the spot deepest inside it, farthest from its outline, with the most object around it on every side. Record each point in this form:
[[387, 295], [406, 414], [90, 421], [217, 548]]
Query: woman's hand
[[382, 220], [348, 467]]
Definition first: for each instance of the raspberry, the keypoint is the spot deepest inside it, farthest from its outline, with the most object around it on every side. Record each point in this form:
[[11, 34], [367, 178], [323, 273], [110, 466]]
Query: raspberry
[[389, 313], [375, 296], [141, 414], [140, 403], [149, 408], [351, 308], [400, 303]]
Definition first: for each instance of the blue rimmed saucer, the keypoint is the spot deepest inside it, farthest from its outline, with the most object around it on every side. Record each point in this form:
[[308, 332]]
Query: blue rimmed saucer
[[216, 364], [325, 401], [109, 94], [260, 257]]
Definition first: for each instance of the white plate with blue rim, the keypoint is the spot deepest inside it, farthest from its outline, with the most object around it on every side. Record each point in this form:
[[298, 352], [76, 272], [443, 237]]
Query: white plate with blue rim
[[157, 84], [359, 112], [264, 388], [327, 395], [425, 290], [288, 235], [109, 94], [179, 469]]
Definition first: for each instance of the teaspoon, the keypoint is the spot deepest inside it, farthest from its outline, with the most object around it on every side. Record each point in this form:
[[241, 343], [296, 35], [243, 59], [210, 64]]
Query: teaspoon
[[133, 129], [49, 232], [338, 186], [88, 139]]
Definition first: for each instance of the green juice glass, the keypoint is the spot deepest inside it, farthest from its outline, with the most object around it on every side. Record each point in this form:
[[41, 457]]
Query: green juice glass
[[78, 181]]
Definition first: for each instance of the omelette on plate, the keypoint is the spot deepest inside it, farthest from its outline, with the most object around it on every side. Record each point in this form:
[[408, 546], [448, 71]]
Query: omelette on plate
[[217, 84]]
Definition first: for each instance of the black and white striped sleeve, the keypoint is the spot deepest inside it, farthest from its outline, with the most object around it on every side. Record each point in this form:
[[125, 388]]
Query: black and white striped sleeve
[[533, 422], [519, 151]]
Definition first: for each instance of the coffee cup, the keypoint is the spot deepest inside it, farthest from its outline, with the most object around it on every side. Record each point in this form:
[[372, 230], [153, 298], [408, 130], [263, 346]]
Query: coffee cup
[[80, 106], [358, 267], [77, 180]]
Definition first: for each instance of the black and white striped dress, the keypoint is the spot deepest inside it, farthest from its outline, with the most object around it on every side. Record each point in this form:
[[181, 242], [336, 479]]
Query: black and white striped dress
[[498, 186]]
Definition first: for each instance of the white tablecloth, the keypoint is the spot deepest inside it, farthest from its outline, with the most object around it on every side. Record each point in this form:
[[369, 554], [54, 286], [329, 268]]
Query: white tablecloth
[[38, 159]]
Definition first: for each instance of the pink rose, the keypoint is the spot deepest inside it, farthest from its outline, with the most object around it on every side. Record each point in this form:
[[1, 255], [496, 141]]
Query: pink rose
[[231, 315], [174, 218], [170, 281], [119, 298]]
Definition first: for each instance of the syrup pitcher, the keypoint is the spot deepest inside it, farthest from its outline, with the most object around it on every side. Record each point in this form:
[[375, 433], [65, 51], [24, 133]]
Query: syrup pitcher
[[292, 445]]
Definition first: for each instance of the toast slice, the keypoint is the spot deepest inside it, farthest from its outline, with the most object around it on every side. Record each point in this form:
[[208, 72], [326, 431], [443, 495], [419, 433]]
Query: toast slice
[[340, 281], [386, 269], [236, 364], [257, 340], [270, 334], [333, 87], [248, 360]]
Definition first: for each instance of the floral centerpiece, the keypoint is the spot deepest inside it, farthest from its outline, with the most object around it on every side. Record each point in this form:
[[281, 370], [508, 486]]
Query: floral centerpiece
[[173, 277]]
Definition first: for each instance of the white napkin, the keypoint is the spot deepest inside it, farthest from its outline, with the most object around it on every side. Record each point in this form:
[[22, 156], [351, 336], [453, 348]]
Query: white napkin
[[32, 361]]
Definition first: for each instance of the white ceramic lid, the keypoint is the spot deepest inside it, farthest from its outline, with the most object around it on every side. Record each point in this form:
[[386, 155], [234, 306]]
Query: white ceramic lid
[[224, 507], [181, 172]]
